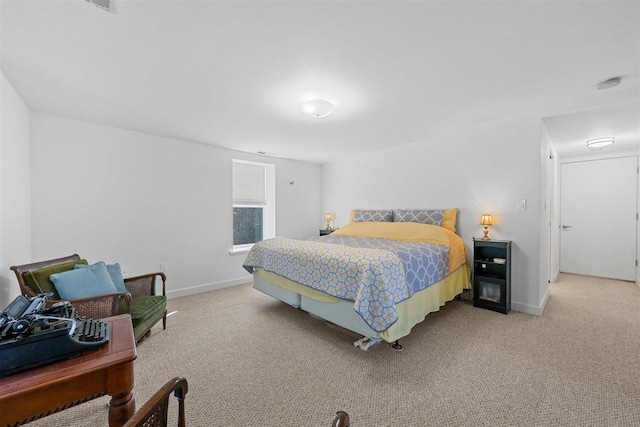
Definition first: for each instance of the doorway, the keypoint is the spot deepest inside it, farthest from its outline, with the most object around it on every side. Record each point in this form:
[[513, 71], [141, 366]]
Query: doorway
[[598, 214]]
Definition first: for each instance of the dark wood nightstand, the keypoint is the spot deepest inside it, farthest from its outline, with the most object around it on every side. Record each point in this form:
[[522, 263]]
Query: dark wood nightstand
[[492, 274], [326, 232]]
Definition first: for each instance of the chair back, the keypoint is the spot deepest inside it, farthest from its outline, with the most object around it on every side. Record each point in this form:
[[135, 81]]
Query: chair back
[[155, 411], [21, 270]]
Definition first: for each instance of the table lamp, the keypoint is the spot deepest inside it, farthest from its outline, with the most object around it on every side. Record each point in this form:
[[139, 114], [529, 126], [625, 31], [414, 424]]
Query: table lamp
[[486, 221], [327, 218]]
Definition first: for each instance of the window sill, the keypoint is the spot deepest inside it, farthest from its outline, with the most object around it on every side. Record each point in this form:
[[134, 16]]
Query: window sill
[[239, 251]]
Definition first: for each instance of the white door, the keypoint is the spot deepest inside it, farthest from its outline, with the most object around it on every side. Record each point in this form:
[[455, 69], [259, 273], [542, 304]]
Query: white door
[[598, 217]]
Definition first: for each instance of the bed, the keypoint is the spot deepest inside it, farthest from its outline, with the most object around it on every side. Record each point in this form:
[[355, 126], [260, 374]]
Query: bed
[[378, 276]]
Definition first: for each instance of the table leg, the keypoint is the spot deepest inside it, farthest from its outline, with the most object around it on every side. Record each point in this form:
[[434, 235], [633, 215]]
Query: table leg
[[122, 407]]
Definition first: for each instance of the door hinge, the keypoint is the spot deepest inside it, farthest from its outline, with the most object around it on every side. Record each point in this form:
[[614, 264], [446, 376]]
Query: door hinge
[[636, 263]]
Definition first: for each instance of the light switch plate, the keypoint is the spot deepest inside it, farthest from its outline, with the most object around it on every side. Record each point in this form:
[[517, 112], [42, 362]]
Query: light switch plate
[[521, 204]]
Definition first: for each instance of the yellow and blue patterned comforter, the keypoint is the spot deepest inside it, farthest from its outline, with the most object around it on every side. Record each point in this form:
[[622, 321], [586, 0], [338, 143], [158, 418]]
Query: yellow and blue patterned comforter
[[376, 273]]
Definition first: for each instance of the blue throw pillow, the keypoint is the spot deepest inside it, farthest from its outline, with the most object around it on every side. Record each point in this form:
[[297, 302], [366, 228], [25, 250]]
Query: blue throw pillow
[[115, 272], [83, 282]]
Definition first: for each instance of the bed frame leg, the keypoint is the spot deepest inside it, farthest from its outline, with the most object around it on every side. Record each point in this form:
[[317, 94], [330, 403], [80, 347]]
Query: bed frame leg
[[363, 343], [397, 346]]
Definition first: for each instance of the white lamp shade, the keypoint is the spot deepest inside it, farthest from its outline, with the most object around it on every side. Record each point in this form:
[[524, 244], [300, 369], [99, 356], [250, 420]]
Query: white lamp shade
[[317, 108], [486, 219]]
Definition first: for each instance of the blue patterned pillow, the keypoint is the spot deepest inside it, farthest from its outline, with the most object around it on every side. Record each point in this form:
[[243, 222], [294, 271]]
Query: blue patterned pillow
[[385, 215], [424, 216]]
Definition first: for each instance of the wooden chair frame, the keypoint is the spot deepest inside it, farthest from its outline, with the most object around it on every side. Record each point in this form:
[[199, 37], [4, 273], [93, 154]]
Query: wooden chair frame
[[154, 412], [341, 420]]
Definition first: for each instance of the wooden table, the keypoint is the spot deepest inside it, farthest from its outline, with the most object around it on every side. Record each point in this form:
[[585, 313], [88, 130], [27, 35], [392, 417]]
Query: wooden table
[[36, 393]]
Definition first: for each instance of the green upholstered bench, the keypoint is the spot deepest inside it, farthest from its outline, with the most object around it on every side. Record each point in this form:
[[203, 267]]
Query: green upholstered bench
[[140, 301]]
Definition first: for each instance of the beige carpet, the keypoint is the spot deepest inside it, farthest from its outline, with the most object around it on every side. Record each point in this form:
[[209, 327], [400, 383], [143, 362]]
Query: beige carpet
[[252, 361]]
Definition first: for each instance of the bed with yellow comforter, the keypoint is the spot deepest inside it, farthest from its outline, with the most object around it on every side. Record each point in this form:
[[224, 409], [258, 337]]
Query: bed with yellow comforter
[[378, 279]]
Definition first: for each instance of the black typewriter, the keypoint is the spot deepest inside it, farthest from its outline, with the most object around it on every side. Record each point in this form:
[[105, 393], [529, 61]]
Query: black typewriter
[[32, 335]]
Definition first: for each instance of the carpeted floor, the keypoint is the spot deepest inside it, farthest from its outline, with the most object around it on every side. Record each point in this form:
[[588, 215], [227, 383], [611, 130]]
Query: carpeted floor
[[253, 361]]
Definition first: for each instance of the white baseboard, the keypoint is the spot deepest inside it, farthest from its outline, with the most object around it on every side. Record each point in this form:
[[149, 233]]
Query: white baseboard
[[207, 287], [532, 309], [545, 299], [529, 309], [526, 308]]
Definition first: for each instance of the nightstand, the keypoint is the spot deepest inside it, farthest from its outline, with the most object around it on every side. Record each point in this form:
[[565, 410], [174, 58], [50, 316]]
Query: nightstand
[[326, 232], [492, 274]]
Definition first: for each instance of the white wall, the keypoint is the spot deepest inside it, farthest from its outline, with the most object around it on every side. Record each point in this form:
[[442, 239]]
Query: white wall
[[479, 170], [15, 196], [138, 199]]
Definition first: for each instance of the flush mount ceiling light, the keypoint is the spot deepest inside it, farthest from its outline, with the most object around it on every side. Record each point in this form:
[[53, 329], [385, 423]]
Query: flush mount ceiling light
[[599, 143], [609, 83], [317, 108]]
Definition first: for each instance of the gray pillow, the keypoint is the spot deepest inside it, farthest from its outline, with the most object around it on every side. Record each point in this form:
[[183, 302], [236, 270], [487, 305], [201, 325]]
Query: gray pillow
[[373, 215], [424, 216]]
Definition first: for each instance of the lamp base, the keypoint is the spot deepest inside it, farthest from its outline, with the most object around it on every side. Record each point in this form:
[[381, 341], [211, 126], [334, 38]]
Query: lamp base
[[486, 234]]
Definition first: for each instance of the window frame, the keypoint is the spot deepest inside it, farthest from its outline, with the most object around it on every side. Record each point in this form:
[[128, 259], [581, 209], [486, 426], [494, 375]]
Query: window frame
[[268, 208]]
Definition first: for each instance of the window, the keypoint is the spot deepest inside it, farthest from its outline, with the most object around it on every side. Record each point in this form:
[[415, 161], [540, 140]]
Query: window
[[247, 225], [253, 203]]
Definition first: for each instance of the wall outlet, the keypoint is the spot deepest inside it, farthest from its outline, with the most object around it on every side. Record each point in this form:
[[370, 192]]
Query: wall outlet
[[125, 271], [163, 267]]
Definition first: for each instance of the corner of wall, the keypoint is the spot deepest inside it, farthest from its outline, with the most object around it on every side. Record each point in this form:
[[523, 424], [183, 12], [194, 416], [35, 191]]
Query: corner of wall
[[15, 187], [531, 309], [638, 228]]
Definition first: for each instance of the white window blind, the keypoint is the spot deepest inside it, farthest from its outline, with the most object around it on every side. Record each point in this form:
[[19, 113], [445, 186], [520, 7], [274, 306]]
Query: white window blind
[[249, 184]]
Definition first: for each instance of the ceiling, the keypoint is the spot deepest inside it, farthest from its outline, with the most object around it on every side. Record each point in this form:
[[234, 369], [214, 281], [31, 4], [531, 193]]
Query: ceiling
[[234, 73], [570, 132]]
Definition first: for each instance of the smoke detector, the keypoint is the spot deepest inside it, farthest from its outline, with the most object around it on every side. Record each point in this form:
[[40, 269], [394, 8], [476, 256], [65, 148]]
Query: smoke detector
[[107, 5], [609, 83]]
